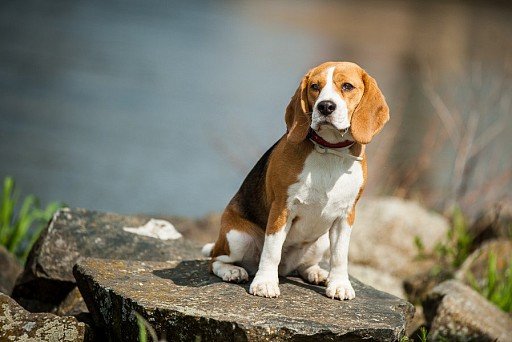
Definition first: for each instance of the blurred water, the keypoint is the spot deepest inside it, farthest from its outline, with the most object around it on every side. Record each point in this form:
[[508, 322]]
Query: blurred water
[[163, 106]]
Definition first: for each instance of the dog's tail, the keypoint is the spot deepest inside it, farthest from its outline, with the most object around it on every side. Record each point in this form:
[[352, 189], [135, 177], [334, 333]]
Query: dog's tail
[[207, 249]]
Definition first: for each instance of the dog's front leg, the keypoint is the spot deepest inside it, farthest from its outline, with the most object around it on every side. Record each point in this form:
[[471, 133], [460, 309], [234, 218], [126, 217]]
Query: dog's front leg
[[266, 281], [338, 284]]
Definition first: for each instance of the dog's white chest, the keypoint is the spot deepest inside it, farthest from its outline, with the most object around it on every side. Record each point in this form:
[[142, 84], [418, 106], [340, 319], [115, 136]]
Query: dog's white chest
[[327, 188]]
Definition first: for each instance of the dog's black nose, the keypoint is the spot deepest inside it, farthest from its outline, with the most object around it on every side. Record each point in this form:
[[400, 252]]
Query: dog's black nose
[[326, 107]]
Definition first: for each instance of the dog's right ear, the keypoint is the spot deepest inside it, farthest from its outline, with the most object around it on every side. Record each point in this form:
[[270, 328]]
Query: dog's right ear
[[371, 113], [297, 113]]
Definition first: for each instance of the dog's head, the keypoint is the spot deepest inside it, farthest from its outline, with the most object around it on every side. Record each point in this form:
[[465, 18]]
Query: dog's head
[[338, 94]]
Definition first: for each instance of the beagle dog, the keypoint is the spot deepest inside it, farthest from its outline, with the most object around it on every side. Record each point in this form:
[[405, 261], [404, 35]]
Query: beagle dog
[[299, 199]]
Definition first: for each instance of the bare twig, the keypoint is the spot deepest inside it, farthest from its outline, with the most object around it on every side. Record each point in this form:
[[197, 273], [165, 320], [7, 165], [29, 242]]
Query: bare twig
[[469, 140], [444, 114], [430, 144]]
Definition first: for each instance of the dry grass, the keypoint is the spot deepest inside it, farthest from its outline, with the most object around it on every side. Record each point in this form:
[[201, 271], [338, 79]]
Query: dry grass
[[462, 143]]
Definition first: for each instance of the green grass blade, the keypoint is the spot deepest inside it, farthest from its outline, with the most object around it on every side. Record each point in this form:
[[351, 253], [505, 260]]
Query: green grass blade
[[6, 209], [7, 190], [491, 275], [19, 229], [473, 282], [423, 334], [142, 329], [26, 217]]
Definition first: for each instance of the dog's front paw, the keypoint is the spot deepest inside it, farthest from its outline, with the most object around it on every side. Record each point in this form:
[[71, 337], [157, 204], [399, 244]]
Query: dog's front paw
[[265, 287], [340, 289]]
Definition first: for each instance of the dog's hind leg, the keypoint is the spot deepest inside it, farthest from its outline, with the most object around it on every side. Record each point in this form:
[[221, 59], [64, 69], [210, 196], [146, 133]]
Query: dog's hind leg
[[236, 247], [308, 268]]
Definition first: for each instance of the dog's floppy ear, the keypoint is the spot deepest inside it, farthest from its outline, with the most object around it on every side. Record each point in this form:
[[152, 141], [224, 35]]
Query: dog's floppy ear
[[297, 117], [371, 114]]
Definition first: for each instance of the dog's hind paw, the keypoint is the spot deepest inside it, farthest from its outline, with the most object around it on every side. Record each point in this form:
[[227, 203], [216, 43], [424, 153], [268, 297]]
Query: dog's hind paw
[[314, 275], [235, 274]]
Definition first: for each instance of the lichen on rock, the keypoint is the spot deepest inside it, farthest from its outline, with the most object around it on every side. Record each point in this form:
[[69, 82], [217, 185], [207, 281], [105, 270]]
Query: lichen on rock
[[17, 324]]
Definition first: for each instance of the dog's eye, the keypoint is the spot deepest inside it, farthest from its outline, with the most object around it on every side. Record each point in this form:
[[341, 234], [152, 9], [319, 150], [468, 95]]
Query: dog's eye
[[315, 87], [347, 87]]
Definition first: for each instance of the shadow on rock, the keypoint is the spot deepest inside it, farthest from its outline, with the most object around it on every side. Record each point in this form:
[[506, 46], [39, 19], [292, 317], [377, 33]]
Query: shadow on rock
[[192, 273], [195, 273], [299, 282]]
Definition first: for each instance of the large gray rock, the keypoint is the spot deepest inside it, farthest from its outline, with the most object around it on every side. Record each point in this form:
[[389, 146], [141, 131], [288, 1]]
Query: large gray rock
[[378, 279], [384, 232], [16, 324], [73, 234], [183, 302], [455, 312], [10, 269]]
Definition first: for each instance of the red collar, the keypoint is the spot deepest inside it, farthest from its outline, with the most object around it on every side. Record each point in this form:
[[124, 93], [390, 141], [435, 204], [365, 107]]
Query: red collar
[[320, 141]]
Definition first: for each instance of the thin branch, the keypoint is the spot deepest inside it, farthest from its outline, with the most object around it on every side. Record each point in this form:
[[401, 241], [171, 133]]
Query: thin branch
[[488, 136], [444, 114]]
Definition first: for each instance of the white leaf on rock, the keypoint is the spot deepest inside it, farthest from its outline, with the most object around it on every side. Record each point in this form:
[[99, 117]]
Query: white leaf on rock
[[158, 229]]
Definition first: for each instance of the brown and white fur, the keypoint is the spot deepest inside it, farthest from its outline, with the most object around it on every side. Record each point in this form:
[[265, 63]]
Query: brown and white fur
[[297, 202]]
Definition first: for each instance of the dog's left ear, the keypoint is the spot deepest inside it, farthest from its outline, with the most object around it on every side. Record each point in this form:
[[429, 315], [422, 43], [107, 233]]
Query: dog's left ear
[[297, 117], [371, 114]]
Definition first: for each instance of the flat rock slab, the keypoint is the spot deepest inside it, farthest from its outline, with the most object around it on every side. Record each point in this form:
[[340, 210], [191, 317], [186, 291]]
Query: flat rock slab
[[17, 324], [183, 302], [73, 234]]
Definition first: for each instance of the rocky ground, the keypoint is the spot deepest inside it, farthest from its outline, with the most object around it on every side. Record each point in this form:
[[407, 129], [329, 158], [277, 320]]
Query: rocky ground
[[90, 273]]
